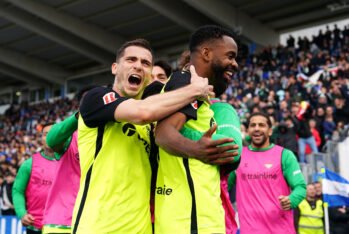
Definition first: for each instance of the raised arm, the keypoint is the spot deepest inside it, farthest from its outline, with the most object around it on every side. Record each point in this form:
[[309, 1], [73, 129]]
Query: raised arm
[[101, 105], [58, 138], [157, 107]]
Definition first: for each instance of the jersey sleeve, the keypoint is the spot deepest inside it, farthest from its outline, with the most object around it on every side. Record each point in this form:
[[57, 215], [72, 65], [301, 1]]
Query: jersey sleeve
[[176, 81], [294, 177], [60, 134], [98, 106], [228, 125], [20, 186]]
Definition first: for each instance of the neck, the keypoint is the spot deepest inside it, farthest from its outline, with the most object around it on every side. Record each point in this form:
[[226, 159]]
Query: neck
[[265, 145], [310, 198], [116, 89], [200, 68], [49, 152]]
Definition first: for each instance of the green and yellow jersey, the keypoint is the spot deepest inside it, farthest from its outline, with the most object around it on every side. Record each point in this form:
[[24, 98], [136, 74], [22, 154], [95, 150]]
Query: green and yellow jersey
[[187, 194], [115, 170]]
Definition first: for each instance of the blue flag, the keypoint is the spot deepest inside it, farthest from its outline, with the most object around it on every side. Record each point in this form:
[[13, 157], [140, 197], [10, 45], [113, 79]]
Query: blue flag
[[335, 189]]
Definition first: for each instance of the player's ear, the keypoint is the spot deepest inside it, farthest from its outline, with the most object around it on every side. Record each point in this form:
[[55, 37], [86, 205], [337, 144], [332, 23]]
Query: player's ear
[[270, 132], [114, 68], [206, 54]]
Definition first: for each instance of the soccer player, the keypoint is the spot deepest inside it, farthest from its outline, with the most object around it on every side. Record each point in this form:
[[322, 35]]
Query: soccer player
[[113, 140], [269, 182], [62, 138], [187, 196], [161, 71], [32, 184]]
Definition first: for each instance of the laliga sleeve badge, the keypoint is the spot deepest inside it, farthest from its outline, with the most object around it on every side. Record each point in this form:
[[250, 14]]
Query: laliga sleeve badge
[[109, 98], [194, 104]]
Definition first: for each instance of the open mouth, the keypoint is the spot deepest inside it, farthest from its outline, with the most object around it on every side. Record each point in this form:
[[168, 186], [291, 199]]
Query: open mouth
[[134, 80], [257, 135], [228, 75]]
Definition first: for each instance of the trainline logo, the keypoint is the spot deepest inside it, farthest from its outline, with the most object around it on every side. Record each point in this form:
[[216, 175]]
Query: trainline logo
[[259, 176]]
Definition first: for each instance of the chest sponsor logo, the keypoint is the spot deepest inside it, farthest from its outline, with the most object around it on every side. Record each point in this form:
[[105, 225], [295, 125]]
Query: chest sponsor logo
[[259, 176], [129, 129], [163, 190], [41, 181], [268, 165], [109, 98]]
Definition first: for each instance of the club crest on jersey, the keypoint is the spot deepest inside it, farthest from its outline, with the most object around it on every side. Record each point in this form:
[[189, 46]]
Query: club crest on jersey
[[268, 165], [109, 98], [194, 104]]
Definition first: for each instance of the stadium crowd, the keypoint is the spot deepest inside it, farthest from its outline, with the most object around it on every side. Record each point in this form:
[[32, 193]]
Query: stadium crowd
[[310, 76]]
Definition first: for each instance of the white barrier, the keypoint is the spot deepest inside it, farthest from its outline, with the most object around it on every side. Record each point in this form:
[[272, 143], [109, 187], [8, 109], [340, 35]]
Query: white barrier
[[11, 225], [343, 151]]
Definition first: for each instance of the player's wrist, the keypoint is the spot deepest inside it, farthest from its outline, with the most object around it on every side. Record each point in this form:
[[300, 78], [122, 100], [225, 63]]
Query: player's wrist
[[194, 90]]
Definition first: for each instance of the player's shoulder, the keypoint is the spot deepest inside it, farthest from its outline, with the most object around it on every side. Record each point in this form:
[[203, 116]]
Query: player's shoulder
[[288, 154], [182, 75], [178, 79], [95, 95]]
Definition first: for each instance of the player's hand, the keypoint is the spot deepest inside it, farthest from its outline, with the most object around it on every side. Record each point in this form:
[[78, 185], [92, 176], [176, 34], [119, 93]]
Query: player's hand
[[210, 151], [201, 84], [27, 220], [285, 202]]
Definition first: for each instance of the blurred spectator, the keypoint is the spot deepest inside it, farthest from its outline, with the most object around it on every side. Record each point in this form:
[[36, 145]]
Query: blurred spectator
[[339, 219], [318, 190], [287, 137], [341, 110], [316, 135], [6, 195], [290, 41], [311, 213], [301, 116], [329, 124], [1, 183]]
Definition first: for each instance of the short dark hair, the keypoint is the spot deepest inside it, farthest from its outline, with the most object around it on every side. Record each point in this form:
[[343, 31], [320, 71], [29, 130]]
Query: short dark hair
[[164, 65], [208, 33], [259, 114], [137, 42]]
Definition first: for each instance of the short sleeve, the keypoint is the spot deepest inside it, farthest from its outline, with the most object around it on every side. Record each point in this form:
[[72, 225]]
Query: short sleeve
[[98, 106]]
